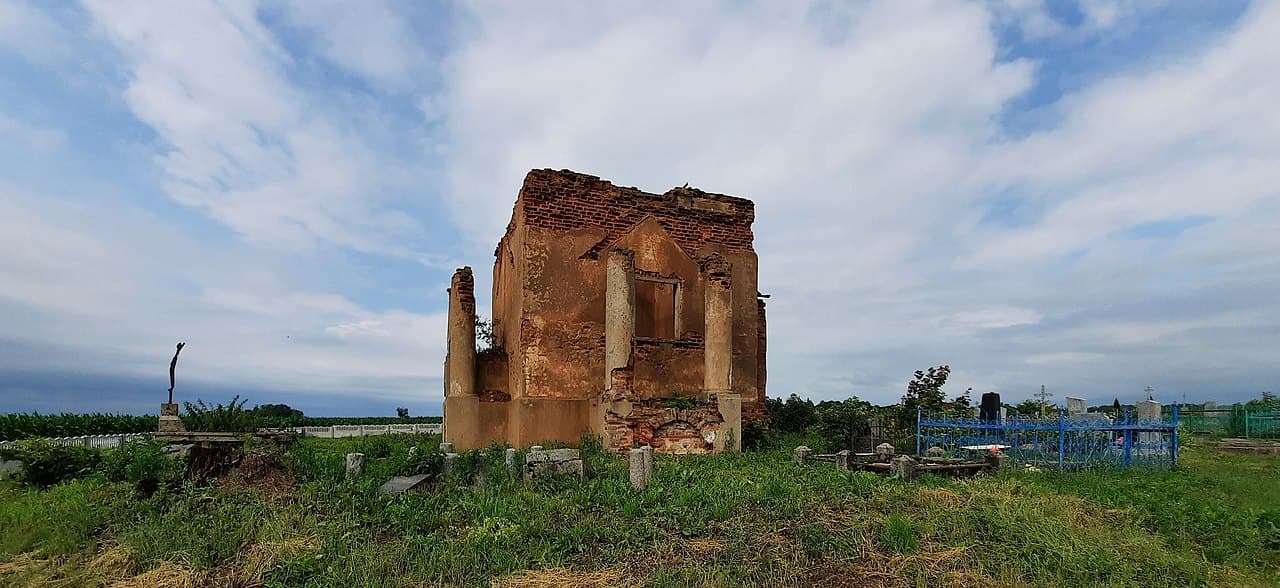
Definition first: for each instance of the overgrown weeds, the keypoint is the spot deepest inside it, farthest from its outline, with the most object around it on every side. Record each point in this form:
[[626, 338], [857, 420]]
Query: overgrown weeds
[[738, 519]]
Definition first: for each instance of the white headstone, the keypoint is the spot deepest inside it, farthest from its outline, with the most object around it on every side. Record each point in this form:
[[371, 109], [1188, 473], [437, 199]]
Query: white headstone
[[1076, 406]]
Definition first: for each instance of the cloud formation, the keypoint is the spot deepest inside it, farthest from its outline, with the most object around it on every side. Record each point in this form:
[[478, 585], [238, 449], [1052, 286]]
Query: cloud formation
[[288, 184]]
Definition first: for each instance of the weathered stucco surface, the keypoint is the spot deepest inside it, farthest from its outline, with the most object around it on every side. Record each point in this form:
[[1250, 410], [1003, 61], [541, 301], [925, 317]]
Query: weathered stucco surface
[[682, 268]]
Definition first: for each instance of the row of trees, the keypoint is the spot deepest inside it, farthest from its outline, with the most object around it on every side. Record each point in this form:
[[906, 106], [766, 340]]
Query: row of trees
[[838, 422]]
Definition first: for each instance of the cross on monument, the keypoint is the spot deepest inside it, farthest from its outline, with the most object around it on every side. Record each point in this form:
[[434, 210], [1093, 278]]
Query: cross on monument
[[1043, 395]]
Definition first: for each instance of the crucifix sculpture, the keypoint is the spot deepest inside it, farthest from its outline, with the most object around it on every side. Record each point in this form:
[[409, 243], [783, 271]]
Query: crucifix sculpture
[[172, 366]]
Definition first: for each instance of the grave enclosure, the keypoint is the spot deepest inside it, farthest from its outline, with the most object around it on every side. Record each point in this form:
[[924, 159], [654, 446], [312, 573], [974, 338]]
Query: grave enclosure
[[1072, 439]]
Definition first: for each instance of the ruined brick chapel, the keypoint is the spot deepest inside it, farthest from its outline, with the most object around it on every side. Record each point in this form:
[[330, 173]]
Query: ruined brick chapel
[[626, 315]]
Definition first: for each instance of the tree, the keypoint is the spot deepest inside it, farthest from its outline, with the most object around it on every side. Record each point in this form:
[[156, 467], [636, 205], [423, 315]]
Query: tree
[[276, 411], [839, 422], [795, 415], [925, 390], [1115, 406], [486, 341], [1028, 407], [402, 412], [1269, 401]]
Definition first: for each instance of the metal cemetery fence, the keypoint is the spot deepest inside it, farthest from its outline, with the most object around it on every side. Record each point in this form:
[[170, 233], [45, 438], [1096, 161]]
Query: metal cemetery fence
[[1065, 442], [1262, 423], [1235, 421]]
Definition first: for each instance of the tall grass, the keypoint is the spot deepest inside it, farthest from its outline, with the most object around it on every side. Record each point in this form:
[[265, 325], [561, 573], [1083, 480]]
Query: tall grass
[[728, 520]]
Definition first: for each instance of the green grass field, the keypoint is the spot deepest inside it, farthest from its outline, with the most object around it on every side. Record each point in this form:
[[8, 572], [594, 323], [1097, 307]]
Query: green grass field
[[731, 520]]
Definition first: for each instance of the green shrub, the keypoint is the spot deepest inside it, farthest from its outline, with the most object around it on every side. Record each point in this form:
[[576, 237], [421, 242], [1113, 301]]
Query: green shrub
[[231, 417], [141, 461], [45, 463], [679, 403], [423, 459]]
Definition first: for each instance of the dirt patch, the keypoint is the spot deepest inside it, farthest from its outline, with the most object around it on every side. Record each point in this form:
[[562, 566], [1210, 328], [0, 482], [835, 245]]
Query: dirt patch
[[560, 577], [263, 469]]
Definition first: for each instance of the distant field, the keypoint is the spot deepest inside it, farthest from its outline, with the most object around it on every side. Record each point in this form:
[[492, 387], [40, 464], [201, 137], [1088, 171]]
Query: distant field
[[22, 426], [730, 520]]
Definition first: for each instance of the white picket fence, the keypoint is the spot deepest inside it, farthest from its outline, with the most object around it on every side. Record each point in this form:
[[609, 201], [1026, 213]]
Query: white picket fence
[[331, 432], [93, 441], [339, 431]]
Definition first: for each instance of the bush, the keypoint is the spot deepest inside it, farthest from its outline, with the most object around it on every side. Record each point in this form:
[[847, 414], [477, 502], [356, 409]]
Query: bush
[[45, 463], [423, 459], [141, 461], [231, 417]]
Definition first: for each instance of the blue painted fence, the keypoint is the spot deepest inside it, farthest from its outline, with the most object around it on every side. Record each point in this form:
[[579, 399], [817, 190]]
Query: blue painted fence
[[1065, 442]]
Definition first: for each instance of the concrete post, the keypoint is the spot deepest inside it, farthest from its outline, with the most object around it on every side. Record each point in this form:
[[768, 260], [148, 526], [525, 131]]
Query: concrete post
[[637, 471], [801, 454], [648, 462], [355, 465], [509, 459], [717, 342], [461, 405], [842, 460]]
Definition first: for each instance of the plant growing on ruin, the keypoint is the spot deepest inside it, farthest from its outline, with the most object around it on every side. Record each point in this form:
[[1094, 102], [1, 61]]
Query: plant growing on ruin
[[487, 342], [678, 402]]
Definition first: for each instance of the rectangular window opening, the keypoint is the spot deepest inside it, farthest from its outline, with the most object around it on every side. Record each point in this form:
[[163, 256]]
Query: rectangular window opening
[[656, 309]]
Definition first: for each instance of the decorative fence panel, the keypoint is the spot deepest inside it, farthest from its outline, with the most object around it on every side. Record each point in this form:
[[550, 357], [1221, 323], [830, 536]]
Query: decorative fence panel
[[1262, 423], [1065, 442], [1212, 421]]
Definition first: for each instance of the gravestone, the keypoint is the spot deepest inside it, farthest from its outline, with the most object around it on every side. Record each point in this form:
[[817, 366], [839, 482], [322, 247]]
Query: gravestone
[[355, 464], [842, 460], [1075, 406], [801, 454], [990, 408], [1149, 412], [904, 466], [935, 451], [402, 484], [543, 462], [884, 452]]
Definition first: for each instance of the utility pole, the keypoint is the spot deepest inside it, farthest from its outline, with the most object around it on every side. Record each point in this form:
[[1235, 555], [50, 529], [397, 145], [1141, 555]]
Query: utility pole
[[1043, 395]]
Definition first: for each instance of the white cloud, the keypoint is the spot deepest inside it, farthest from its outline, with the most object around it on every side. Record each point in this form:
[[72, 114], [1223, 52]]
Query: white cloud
[[287, 166], [117, 287], [369, 38], [31, 32], [872, 149]]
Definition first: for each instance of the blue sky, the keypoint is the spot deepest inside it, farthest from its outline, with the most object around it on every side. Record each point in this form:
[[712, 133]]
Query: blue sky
[[1077, 194]]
